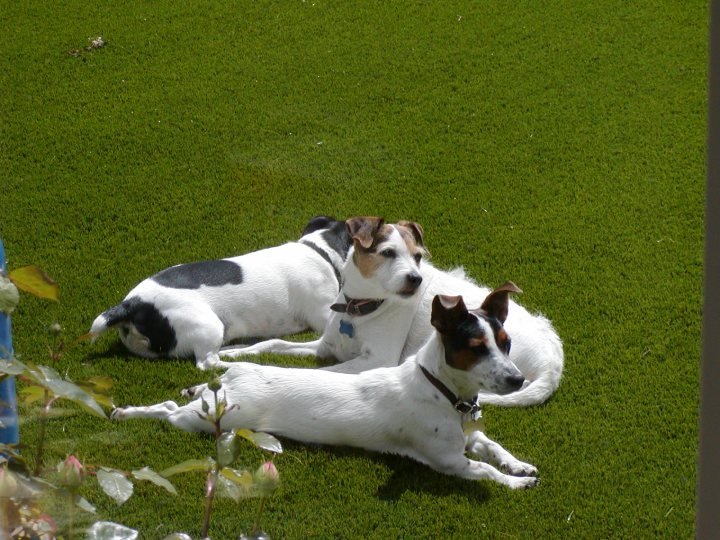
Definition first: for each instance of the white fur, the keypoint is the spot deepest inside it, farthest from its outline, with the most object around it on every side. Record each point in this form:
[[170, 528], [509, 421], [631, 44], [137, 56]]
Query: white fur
[[285, 289], [393, 410], [398, 328]]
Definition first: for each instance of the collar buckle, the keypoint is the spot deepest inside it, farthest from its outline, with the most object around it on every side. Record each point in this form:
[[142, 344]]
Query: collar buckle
[[467, 407]]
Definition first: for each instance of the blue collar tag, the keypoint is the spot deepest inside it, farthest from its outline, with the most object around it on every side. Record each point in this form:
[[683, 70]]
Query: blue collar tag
[[347, 328]]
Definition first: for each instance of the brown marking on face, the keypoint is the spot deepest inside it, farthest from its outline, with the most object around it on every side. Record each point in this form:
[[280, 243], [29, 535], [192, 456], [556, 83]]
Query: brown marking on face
[[502, 338], [412, 235], [463, 359], [367, 259]]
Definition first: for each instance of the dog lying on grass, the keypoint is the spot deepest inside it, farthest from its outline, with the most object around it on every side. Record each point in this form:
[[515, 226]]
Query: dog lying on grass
[[382, 314], [195, 308], [415, 409]]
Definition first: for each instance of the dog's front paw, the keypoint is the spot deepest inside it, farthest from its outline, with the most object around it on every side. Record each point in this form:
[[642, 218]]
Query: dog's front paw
[[518, 468], [522, 482]]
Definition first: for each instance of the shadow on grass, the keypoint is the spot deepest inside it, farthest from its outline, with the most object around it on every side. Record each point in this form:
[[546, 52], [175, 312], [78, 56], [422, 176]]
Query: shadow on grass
[[406, 475]]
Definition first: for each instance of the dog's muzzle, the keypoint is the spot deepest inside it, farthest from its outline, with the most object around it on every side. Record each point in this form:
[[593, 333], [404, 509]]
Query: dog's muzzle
[[412, 284]]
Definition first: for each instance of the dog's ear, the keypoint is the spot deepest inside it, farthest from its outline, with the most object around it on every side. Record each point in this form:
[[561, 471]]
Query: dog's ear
[[416, 230], [496, 303], [447, 312], [364, 229]]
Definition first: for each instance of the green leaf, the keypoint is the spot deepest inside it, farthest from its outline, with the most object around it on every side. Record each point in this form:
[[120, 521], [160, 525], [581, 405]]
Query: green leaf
[[33, 393], [99, 384], [261, 440], [151, 476], [107, 530], [240, 477], [34, 280], [115, 485], [189, 466], [228, 448], [12, 367], [82, 502], [50, 379]]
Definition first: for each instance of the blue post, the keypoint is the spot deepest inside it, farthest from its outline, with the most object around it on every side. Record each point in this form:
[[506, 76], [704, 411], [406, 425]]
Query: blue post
[[9, 434]]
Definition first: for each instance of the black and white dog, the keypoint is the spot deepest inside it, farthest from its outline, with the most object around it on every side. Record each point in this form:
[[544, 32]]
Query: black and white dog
[[195, 308], [415, 409]]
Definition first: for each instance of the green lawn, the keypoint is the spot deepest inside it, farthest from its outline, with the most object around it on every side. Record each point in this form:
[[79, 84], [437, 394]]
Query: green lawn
[[559, 144]]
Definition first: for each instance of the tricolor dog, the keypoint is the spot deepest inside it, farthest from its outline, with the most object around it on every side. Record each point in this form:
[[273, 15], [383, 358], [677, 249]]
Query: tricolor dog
[[195, 308], [382, 314], [415, 409]]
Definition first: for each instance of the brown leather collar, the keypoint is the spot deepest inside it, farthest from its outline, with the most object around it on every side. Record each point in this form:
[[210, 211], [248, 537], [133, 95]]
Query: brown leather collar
[[463, 407], [356, 307]]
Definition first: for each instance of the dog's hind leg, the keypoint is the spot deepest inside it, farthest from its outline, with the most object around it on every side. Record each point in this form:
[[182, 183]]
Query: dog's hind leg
[[479, 444], [277, 346]]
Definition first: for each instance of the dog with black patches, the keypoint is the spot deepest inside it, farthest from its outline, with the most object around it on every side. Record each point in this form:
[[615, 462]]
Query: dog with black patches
[[195, 308], [415, 409], [382, 314]]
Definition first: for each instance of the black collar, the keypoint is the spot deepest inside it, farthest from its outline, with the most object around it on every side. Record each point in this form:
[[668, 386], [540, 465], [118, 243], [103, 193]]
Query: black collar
[[357, 307], [463, 407]]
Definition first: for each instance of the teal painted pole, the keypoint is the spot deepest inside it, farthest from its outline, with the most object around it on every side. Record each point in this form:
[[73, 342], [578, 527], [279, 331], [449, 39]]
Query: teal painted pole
[[9, 431]]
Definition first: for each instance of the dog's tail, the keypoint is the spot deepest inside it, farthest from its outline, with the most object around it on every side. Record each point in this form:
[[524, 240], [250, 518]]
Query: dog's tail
[[109, 318], [539, 388]]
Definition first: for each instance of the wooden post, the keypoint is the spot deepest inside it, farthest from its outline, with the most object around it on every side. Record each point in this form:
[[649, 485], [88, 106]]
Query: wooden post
[[9, 432]]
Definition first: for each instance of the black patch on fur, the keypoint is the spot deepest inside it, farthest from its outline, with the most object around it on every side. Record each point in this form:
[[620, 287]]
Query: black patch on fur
[[338, 238], [335, 235], [147, 320], [194, 275], [319, 222]]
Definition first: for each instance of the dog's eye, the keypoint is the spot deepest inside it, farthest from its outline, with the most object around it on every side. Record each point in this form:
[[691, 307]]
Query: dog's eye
[[389, 253], [507, 346], [418, 257]]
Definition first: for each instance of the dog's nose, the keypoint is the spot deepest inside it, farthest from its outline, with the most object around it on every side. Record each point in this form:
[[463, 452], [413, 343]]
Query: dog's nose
[[514, 382], [414, 280]]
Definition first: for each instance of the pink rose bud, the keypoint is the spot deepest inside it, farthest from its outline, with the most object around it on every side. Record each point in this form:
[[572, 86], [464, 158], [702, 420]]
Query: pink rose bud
[[267, 477], [71, 472], [8, 483]]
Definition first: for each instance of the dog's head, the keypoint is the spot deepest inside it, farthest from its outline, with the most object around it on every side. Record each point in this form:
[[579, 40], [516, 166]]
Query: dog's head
[[477, 347], [387, 256]]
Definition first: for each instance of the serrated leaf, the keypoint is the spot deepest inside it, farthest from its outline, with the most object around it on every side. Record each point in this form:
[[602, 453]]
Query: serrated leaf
[[151, 476], [82, 502], [115, 485], [188, 466], [34, 280]]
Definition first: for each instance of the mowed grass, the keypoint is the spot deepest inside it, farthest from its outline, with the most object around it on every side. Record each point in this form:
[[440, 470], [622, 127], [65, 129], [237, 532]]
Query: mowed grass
[[558, 145]]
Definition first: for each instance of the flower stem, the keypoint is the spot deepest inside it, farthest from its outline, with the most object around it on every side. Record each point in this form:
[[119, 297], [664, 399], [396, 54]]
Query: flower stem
[[209, 495], [261, 507], [41, 437]]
